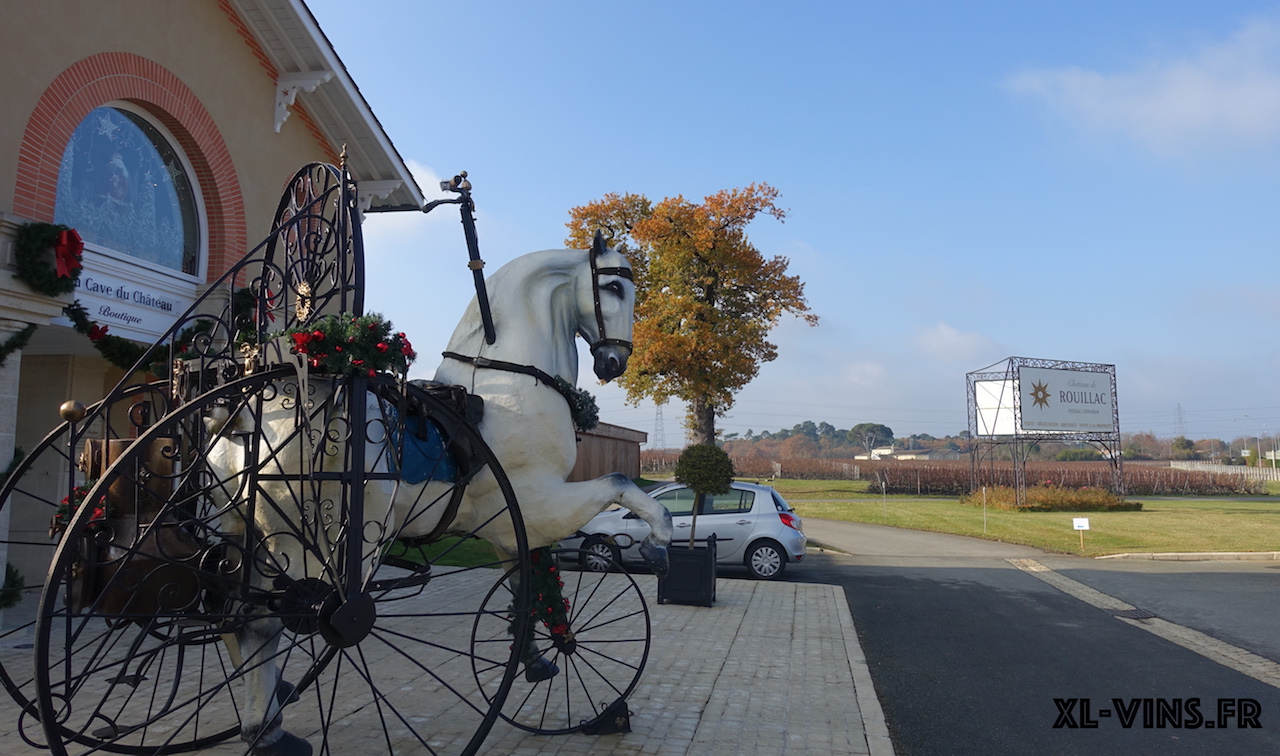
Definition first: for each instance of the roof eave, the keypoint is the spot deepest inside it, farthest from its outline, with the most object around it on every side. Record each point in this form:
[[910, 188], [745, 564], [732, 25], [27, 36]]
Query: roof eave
[[292, 39]]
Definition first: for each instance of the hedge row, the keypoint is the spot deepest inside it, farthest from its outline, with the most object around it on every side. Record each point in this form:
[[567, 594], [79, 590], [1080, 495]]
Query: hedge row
[[952, 478], [1052, 499]]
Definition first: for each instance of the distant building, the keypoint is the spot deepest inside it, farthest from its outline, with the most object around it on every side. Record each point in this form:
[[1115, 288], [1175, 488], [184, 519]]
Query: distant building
[[608, 449], [886, 452], [929, 454]]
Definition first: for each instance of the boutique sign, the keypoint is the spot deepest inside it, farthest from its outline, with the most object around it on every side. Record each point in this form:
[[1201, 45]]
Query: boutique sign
[[1068, 401], [133, 301]]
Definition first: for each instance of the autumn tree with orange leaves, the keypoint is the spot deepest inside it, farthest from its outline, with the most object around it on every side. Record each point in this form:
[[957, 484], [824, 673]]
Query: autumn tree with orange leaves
[[706, 298]]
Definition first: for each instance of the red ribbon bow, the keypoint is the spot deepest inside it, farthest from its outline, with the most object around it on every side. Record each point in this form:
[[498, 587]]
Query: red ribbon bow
[[67, 252]]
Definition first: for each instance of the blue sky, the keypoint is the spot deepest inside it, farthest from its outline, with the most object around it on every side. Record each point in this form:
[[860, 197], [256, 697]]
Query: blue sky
[[1092, 181]]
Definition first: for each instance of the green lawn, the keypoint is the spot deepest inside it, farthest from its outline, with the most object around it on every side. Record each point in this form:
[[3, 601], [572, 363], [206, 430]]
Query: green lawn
[[1164, 524], [452, 551]]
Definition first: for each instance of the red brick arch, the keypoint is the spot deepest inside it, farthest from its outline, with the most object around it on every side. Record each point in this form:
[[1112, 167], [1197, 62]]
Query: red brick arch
[[102, 78]]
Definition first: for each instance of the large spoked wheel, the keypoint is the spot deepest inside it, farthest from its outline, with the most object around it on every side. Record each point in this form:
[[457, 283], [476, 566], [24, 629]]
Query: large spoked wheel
[[219, 583], [30, 501], [599, 654]]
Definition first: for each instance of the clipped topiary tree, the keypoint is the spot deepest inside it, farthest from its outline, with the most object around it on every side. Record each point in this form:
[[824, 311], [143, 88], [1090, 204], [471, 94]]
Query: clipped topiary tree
[[706, 469]]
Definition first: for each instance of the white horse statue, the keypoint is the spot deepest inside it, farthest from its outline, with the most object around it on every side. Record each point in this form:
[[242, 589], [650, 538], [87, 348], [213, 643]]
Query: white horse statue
[[541, 303]]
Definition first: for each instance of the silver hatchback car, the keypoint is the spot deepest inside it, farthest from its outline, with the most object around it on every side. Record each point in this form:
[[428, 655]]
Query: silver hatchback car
[[753, 525]]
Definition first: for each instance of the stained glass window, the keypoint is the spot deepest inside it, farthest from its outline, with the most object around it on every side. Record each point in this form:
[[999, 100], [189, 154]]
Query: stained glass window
[[124, 188]]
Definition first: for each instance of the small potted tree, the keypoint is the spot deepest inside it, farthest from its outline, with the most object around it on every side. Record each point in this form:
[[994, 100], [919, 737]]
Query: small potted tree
[[706, 469]]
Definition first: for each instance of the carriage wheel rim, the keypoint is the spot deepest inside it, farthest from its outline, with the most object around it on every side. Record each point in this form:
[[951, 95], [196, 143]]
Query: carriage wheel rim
[[51, 447], [610, 622], [324, 664]]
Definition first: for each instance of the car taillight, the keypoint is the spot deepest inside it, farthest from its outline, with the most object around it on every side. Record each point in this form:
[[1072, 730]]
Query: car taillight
[[789, 520]]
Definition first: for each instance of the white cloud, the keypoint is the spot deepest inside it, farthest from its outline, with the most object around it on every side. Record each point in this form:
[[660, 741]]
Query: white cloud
[[1223, 95], [947, 344]]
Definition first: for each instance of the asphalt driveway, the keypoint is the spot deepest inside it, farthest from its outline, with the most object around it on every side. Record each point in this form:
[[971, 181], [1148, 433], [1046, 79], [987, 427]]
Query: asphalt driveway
[[978, 647]]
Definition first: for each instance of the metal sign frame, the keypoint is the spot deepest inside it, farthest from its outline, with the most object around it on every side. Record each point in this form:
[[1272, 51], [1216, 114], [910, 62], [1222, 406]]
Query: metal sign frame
[[986, 444]]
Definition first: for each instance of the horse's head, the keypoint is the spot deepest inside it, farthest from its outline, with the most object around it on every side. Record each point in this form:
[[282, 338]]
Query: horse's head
[[606, 308]]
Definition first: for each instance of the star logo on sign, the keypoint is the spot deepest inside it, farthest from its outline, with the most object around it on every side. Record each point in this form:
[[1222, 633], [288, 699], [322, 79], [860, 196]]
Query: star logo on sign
[[1040, 394]]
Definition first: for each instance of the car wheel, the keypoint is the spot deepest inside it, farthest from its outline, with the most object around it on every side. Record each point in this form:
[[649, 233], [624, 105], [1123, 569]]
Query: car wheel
[[765, 560], [599, 556]]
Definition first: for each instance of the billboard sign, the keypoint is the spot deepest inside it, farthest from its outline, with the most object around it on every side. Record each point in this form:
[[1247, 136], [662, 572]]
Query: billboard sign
[[1066, 401], [994, 408]]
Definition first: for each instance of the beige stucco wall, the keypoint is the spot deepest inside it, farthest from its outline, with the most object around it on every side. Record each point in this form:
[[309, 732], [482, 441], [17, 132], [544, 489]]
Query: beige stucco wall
[[194, 40]]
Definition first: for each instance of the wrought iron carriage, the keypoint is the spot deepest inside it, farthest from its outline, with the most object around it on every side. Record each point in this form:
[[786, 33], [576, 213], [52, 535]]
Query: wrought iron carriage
[[177, 531]]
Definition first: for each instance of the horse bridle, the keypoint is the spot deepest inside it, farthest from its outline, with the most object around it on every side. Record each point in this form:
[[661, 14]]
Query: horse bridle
[[596, 272]]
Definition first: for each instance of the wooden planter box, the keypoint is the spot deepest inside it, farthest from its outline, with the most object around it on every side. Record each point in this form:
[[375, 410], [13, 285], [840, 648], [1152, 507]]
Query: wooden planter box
[[692, 578]]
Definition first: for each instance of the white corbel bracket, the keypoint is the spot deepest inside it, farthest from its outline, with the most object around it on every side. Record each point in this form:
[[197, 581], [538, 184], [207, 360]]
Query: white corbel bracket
[[287, 87], [370, 190]]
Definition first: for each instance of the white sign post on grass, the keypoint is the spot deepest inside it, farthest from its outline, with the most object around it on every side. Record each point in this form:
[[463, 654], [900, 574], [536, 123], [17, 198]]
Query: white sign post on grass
[[1081, 524]]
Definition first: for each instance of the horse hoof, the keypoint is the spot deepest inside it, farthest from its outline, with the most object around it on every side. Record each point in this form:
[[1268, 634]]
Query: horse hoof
[[287, 744], [540, 669], [655, 556], [286, 694]]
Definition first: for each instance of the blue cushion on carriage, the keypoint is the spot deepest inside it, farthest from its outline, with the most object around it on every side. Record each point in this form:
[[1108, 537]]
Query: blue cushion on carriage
[[425, 456]]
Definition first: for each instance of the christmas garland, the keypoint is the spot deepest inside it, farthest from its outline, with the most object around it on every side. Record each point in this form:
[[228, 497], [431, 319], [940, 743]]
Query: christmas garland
[[346, 343], [18, 454], [120, 352], [549, 604], [31, 245], [16, 342], [11, 591], [71, 504], [582, 405]]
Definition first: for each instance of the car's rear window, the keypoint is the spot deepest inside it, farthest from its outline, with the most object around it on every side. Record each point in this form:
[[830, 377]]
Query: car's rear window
[[733, 501], [677, 502], [780, 503]]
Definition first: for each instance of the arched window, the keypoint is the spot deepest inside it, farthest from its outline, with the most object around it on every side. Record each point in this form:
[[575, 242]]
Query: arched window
[[126, 190]]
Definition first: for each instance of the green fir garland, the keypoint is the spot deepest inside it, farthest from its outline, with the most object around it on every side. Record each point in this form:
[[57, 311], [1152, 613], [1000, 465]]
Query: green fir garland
[[346, 343], [120, 352], [31, 247], [18, 454], [16, 342], [11, 591], [550, 607], [582, 405]]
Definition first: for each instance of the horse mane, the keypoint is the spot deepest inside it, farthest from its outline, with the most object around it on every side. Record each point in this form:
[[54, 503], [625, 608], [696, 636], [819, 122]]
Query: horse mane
[[527, 295]]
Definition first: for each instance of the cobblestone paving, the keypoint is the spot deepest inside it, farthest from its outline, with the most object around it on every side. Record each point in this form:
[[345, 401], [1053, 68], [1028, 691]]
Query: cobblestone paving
[[771, 668]]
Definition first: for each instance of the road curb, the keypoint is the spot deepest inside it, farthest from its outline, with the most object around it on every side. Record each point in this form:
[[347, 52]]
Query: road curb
[[874, 726], [818, 547], [1202, 556]]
